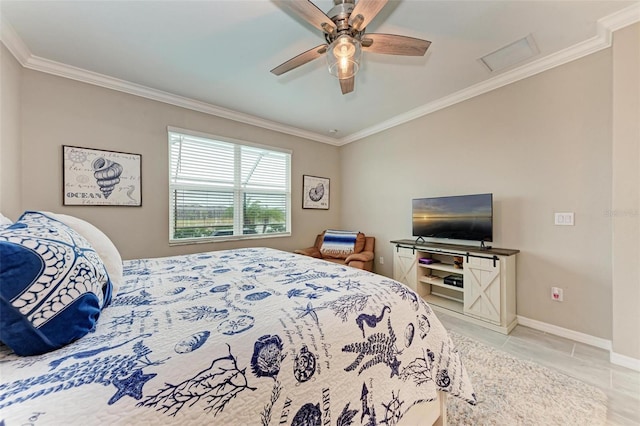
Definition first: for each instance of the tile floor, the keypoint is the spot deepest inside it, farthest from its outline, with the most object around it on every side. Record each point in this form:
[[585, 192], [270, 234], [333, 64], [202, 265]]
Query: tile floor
[[583, 362]]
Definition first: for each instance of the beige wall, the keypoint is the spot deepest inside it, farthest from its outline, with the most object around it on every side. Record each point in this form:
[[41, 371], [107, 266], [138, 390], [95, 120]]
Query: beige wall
[[626, 192], [559, 141], [59, 111], [10, 177], [541, 145]]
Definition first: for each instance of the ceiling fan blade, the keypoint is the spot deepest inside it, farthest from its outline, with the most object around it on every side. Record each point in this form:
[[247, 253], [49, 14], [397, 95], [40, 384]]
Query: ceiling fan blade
[[364, 12], [347, 85], [301, 59], [310, 13], [391, 44]]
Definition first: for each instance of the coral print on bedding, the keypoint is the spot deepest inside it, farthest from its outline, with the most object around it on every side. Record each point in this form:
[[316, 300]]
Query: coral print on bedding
[[242, 337]]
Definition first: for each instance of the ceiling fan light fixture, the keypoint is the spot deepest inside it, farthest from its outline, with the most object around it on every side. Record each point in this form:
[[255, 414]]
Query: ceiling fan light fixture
[[343, 57]]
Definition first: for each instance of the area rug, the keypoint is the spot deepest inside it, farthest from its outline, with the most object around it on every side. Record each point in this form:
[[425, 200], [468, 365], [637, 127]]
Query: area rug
[[511, 391]]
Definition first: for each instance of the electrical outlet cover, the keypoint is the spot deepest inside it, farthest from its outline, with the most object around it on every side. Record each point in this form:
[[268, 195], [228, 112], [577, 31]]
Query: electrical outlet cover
[[556, 294]]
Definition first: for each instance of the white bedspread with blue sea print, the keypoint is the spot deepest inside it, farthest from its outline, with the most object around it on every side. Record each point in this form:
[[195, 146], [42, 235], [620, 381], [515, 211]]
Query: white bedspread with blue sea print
[[241, 337]]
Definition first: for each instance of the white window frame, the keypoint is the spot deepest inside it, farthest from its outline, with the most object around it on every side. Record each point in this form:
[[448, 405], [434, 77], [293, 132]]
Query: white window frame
[[238, 190]]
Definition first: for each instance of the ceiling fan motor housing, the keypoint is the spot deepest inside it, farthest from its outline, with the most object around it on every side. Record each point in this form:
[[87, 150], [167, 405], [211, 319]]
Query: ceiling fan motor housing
[[339, 14]]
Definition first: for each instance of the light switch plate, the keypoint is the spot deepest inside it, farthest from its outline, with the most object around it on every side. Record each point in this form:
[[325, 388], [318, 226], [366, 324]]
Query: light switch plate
[[564, 219]]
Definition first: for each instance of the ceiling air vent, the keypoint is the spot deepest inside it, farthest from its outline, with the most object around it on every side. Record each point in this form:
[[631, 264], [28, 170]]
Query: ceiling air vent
[[511, 54]]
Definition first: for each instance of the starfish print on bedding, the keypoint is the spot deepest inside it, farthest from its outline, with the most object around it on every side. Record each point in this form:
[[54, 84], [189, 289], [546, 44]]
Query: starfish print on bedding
[[295, 292], [131, 385], [311, 311]]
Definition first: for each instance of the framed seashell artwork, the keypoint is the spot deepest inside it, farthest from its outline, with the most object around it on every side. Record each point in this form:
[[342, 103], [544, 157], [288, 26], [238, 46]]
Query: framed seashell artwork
[[94, 177], [315, 192]]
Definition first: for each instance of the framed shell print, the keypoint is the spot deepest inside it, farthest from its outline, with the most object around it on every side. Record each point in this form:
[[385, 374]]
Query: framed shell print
[[93, 177], [315, 192]]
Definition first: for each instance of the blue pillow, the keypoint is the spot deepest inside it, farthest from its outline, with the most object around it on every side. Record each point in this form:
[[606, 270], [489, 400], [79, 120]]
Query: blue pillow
[[53, 285]]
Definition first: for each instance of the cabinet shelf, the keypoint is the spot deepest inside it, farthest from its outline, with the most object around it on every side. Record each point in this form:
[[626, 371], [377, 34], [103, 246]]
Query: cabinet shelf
[[439, 281], [446, 267], [444, 302]]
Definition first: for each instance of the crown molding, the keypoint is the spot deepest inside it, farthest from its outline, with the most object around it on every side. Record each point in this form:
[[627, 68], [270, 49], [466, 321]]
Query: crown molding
[[605, 27], [13, 42], [602, 40], [620, 19], [22, 53], [90, 77]]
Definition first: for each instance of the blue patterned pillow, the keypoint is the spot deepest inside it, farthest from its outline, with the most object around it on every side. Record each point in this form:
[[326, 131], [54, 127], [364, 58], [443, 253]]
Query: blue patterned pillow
[[53, 285]]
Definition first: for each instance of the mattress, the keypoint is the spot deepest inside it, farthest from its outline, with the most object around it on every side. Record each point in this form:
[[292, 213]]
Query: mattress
[[250, 336]]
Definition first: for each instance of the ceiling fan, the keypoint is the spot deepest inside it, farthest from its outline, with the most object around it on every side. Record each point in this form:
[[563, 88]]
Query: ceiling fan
[[344, 31]]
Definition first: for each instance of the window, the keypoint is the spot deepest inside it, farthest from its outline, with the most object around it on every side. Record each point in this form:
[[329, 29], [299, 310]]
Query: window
[[219, 189]]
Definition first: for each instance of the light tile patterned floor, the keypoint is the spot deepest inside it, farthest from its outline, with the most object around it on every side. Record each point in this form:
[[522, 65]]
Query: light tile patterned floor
[[583, 362]]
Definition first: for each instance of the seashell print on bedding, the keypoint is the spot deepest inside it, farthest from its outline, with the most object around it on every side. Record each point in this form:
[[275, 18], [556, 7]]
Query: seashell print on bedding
[[192, 343]]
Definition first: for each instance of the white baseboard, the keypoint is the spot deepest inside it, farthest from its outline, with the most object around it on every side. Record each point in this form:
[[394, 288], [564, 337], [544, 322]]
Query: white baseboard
[[614, 358], [566, 333], [624, 361]]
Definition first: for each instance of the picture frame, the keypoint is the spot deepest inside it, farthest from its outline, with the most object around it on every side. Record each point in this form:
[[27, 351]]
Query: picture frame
[[96, 177], [315, 192]]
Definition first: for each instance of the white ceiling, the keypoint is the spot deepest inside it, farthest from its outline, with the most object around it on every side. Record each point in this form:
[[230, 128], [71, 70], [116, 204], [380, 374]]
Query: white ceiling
[[215, 56]]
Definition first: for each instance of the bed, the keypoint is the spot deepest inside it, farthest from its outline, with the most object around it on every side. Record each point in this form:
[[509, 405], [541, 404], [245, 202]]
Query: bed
[[252, 336]]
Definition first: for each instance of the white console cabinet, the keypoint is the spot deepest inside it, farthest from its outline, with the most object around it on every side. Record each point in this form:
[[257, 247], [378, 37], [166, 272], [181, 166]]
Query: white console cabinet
[[487, 295], [405, 267]]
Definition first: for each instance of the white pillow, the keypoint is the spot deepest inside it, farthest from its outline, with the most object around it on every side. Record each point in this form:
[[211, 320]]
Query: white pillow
[[101, 244], [5, 220]]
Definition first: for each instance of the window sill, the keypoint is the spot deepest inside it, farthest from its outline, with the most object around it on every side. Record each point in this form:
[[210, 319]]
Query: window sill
[[183, 242]]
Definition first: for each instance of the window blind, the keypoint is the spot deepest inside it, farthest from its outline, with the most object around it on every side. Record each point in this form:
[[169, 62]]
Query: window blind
[[221, 189]]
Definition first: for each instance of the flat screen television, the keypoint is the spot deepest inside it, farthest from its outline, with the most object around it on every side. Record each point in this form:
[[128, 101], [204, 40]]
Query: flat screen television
[[459, 217]]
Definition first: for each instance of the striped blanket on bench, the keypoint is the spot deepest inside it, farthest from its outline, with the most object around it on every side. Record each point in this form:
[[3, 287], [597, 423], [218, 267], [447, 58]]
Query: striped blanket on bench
[[338, 244]]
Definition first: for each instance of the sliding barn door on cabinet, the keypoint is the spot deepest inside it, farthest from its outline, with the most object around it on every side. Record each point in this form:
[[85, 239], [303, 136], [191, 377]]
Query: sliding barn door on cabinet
[[482, 289], [404, 267]]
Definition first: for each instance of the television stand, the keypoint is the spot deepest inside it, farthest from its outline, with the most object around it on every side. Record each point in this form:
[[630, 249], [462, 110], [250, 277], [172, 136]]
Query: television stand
[[482, 246], [477, 284]]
